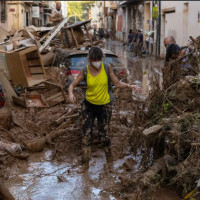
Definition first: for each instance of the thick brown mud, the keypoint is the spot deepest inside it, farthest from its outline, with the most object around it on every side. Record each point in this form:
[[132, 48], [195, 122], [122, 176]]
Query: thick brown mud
[[55, 174]]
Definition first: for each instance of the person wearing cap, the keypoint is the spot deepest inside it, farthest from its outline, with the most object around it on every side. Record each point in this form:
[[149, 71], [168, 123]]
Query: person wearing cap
[[139, 43]]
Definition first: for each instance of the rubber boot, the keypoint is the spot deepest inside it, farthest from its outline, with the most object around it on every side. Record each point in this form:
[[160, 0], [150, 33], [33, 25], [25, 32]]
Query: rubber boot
[[108, 153], [109, 165], [86, 155]]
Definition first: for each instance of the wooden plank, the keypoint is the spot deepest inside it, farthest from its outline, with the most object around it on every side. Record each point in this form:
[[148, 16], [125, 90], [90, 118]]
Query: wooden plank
[[88, 34], [19, 101], [52, 85], [56, 101], [24, 63], [34, 62], [2, 51], [53, 34], [74, 37], [36, 70], [32, 37], [54, 96], [35, 79], [152, 130], [32, 55], [4, 66], [16, 50], [52, 92], [42, 65], [7, 87], [65, 38], [16, 69], [27, 50]]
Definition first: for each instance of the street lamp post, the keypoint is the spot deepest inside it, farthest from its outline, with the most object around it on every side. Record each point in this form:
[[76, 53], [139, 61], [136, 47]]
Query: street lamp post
[[159, 28]]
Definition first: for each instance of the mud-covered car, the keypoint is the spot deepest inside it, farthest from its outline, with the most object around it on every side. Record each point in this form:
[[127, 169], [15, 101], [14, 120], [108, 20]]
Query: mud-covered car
[[78, 60]]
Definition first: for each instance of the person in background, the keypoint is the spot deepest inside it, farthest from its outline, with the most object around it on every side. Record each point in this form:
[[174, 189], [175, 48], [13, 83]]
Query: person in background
[[135, 34], [139, 43], [147, 45], [97, 102], [95, 34], [56, 14], [111, 33], [169, 40], [174, 52], [2, 97], [130, 40], [101, 33]]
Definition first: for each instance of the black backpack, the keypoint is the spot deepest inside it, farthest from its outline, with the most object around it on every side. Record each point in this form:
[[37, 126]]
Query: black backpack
[[112, 96]]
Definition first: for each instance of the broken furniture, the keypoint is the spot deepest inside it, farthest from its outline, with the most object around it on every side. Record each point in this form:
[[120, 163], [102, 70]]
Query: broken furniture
[[31, 100], [26, 67], [5, 77], [4, 66], [53, 34], [35, 101], [49, 94], [54, 94], [73, 35], [7, 88]]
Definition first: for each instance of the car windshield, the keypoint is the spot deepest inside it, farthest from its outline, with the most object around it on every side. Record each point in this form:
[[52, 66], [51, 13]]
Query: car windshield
[[80, 61]]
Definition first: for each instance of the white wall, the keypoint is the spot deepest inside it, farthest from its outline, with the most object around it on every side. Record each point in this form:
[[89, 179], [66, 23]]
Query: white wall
[[95, 15], [182, 24], [193, 25], [64, 8]]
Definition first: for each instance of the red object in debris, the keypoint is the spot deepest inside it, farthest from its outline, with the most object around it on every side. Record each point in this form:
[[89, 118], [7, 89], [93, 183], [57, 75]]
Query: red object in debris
[[2, 104], [75, 72], [2, 97], [72, 72], [121, 73]]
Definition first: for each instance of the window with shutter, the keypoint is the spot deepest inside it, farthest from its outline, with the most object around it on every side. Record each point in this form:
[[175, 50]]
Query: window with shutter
[[3, 11]]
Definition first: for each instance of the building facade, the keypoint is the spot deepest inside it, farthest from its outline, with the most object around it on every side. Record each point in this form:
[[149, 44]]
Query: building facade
[[180, 19], [15, 15], [3, 16], [125, 15]]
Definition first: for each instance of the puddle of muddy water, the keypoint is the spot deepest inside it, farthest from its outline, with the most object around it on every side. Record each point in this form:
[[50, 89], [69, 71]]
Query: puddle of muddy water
[[38, 180], [141, 71]]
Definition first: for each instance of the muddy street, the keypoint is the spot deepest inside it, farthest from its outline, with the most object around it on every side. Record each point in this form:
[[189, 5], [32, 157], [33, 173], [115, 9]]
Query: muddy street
[[142, 71], [55, 173], [99, 100]]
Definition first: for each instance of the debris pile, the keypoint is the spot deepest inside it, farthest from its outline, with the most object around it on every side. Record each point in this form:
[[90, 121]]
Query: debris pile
[[37, 114], [167, 131]]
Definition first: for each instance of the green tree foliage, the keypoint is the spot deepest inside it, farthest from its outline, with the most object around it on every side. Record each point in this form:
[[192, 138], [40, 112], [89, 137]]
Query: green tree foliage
[[80, 9]]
